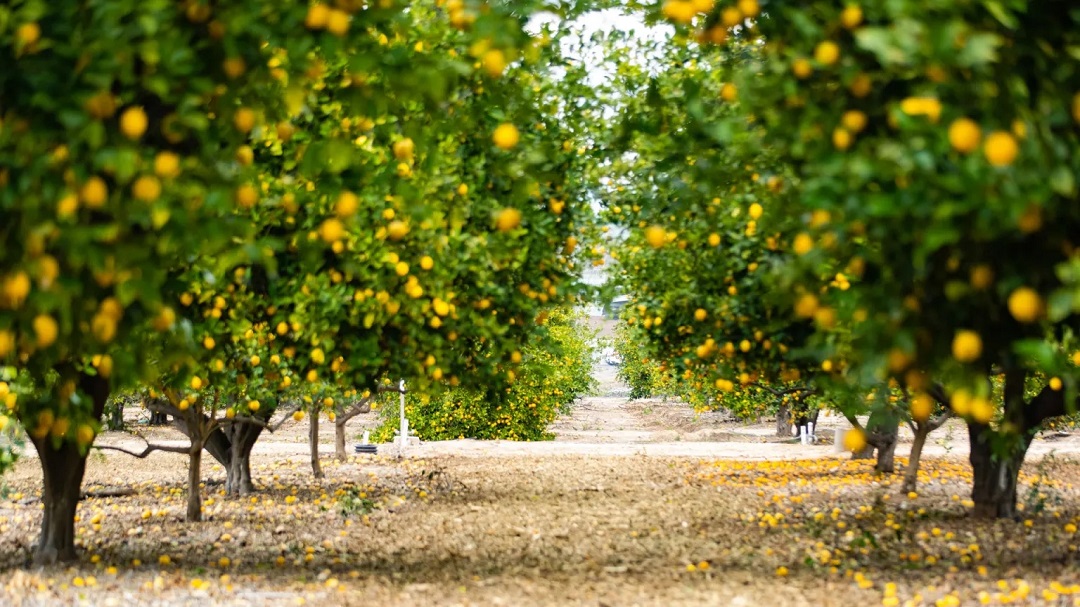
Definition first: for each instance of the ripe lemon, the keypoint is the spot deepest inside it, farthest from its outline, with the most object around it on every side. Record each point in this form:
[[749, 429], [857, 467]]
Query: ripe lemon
[[426, 262], [84, 435], [298, 415], [508, 219], [347, 204], [337, 22], [1055, 384], [247, 196], [966, 346], [28, 33], [244, 119], [700, 314], [964, 135], [253, 405], [46, 330], [234, 67], [16, 289], [921, 407], [854, 440], [167, 165], [714, 239], [401, 268], [332, 230], [982, 410], [806, 305], [133, 122], [802, 68], [679, 11], [506, 136], [94, 193], [749, 8], [841, 138], [827, 52], [494, 62], [67, 206], [755, 211], [318, 16], [731, 16], [729, 92], [245, 155], [803, 244], [397, 229], [853, 120], [1025, 305], [851, 16], [403, 149], [146, 188], [1000, 148], [656, 236]]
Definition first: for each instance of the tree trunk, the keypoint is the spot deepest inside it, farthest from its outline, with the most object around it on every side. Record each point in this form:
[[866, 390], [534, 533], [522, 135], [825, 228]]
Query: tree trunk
[[867, 452], [241, 440], [63, 470], [783, 420], [313, 442], [911, 475], [194, 502], [339, 440], [886, 460], [994, 484], [158, 419]]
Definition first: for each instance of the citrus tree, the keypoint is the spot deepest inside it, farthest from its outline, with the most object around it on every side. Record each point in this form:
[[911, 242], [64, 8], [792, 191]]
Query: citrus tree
[[127, 175], [938, 146], [552, 369]]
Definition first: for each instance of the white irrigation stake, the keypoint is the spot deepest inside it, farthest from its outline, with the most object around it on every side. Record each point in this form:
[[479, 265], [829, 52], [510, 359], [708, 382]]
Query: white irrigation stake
[[813, 437], [403, 435], [838, 440]]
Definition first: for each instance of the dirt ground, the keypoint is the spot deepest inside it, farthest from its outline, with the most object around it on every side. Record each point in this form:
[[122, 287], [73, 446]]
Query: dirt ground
[[634, 503]]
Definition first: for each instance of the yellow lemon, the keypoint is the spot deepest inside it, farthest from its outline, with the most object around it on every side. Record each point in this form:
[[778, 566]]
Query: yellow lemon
[[508, 219], [1025, 305], [1000, 148], [827, 52], [94, 193], [403, 149], [318, 16], [244, 120], [964, 135], [397, 229], [656, 236], [247, 196], [921, 407], [46, 330], [851, 16], [679, 11], [854, 440], [506, 136], [146, 188], [167, 165], [966, 346], [133, 122]]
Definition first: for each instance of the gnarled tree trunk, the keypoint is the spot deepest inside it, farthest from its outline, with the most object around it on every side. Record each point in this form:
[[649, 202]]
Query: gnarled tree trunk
[[783, 420], [994, 483], [62, 470]]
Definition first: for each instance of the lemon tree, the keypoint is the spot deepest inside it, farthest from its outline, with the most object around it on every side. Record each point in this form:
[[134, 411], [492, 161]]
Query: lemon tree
[[939, 142], [552, 369]]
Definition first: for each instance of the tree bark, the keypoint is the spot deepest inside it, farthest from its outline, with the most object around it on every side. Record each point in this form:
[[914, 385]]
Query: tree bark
[[241, 439], [994, 483], [886, 455], [62, 472], [911, 475], [313, 443], [783, 420], [194, 503], [339, 440], [867, 452]]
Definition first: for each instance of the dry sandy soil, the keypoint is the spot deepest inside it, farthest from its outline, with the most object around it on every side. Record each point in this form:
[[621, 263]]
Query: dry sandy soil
[[634, 503]]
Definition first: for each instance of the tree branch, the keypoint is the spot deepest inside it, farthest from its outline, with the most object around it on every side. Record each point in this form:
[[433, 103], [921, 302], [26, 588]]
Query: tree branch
[[150, 448], [361, 406], [285, 418], [940, 420]]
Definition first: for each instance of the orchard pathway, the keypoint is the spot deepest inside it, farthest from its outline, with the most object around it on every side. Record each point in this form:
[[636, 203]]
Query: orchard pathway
[[609, 423]]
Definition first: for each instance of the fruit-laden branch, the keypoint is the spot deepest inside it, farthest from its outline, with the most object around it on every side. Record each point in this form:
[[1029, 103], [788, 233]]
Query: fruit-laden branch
[[162, 406], [364, 404], [285, 418], [800, 390]]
